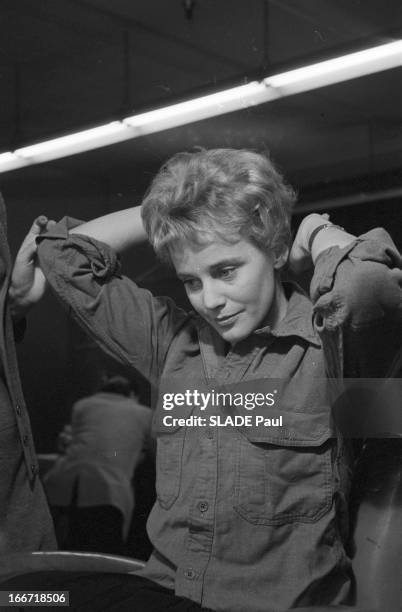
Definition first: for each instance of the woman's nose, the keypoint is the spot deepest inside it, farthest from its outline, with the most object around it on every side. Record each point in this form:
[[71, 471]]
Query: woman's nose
[[212, 297]]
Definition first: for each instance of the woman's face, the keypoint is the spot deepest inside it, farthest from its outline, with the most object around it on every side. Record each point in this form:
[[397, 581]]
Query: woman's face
[[234, 287]]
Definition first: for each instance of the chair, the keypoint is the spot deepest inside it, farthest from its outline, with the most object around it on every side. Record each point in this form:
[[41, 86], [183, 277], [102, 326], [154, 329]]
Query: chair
[[378, 531], [335, 609], [17, 564]]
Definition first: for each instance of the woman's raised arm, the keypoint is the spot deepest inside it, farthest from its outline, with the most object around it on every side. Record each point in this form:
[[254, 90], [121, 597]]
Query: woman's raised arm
[[120, 230]]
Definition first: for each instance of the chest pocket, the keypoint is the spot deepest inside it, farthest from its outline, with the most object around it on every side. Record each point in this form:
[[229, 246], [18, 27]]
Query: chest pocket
[[169, 467], [169, 459], [284, 474]]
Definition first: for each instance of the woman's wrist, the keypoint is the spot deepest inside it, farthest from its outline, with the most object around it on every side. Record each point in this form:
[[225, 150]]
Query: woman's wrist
[[321, 228], [318, 233], [324, 235], [309, 226]]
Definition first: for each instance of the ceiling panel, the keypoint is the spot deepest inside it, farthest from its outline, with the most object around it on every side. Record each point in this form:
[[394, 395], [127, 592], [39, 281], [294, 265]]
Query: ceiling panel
[[70, 64]]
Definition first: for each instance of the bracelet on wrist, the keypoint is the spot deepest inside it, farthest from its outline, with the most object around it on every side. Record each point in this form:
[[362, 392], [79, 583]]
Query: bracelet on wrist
[[318, 229]]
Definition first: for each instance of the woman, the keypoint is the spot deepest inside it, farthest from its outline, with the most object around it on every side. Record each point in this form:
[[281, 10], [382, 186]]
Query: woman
[[247, 518]]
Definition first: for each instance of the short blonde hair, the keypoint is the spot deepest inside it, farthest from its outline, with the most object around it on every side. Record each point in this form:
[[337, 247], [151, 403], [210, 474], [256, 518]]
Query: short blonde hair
[[224, 193]]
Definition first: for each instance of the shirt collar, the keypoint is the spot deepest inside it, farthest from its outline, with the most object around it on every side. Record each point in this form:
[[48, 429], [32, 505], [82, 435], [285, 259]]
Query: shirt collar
[[298, 320]]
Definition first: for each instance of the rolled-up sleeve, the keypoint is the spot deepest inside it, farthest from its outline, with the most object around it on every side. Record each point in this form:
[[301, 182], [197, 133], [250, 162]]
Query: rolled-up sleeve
[[357, 296], [127, 322]]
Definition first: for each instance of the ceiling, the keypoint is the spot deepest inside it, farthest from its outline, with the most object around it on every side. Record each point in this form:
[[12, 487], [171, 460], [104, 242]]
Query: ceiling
[[71, 64]]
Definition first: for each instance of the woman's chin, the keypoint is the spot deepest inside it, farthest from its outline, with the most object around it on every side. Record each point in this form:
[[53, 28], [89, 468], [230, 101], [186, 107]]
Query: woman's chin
[[234, 334]]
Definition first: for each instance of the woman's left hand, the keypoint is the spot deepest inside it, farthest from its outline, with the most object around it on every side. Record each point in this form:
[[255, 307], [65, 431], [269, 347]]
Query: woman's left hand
[[300, 256]]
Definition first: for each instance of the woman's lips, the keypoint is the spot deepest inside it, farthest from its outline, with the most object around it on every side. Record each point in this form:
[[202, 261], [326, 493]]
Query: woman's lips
[[228, 320]]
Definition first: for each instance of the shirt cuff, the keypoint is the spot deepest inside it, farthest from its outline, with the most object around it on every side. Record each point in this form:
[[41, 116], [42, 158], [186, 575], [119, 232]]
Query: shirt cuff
[[61, 229], [375, 245], [104, 261]]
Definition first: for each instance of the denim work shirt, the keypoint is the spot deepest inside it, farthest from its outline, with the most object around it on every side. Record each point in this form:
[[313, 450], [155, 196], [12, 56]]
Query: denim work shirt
[[246, 519]]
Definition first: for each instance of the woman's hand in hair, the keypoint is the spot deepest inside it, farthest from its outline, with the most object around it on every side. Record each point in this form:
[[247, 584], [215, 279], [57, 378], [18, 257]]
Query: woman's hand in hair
[[300, 258]]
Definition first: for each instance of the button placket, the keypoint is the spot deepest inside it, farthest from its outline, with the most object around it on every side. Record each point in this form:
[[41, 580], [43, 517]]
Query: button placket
[[202, 506], [189, 573]]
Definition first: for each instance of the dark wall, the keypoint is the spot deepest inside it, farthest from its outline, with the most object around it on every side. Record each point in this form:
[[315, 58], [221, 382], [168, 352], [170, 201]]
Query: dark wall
[[46, 354]]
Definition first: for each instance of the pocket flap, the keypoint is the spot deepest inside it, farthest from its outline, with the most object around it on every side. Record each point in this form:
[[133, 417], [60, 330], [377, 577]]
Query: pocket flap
[[295, 428]]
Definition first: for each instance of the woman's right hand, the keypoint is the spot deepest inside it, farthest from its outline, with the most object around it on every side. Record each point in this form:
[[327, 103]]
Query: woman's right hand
[[28, 283]]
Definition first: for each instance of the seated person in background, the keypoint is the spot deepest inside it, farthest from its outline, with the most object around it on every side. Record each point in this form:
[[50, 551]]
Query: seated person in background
[[89, 488], [245, 520], [64, 439], [25, 521]]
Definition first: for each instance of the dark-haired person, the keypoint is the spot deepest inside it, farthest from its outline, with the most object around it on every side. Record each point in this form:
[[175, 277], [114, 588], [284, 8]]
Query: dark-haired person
[[90, 486], [245, 520]]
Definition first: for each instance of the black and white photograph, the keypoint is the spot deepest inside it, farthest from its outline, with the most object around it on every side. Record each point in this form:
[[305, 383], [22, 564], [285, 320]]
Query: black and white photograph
[[201, 305]]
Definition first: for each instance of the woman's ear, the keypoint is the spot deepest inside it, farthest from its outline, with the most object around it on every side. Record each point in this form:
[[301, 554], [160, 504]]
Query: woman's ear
[[281, 257]]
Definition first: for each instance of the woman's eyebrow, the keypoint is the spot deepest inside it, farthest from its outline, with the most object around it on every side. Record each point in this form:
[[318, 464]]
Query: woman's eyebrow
[[229, 261]]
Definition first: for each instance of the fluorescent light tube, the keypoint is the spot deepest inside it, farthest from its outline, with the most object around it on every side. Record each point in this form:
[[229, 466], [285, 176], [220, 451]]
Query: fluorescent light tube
[[94, 138], [205, 107], [10, 161], [76, 143], [338, 69], [288, 83]]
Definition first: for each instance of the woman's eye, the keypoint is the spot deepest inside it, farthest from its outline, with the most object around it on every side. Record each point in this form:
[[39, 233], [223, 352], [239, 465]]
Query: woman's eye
[[226, 273], [192, 284]]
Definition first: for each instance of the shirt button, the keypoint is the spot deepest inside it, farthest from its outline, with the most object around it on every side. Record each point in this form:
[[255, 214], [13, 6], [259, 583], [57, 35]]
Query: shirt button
[[34, 469], [18, 410], [189, 573], [25, 440], [202, 506]]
